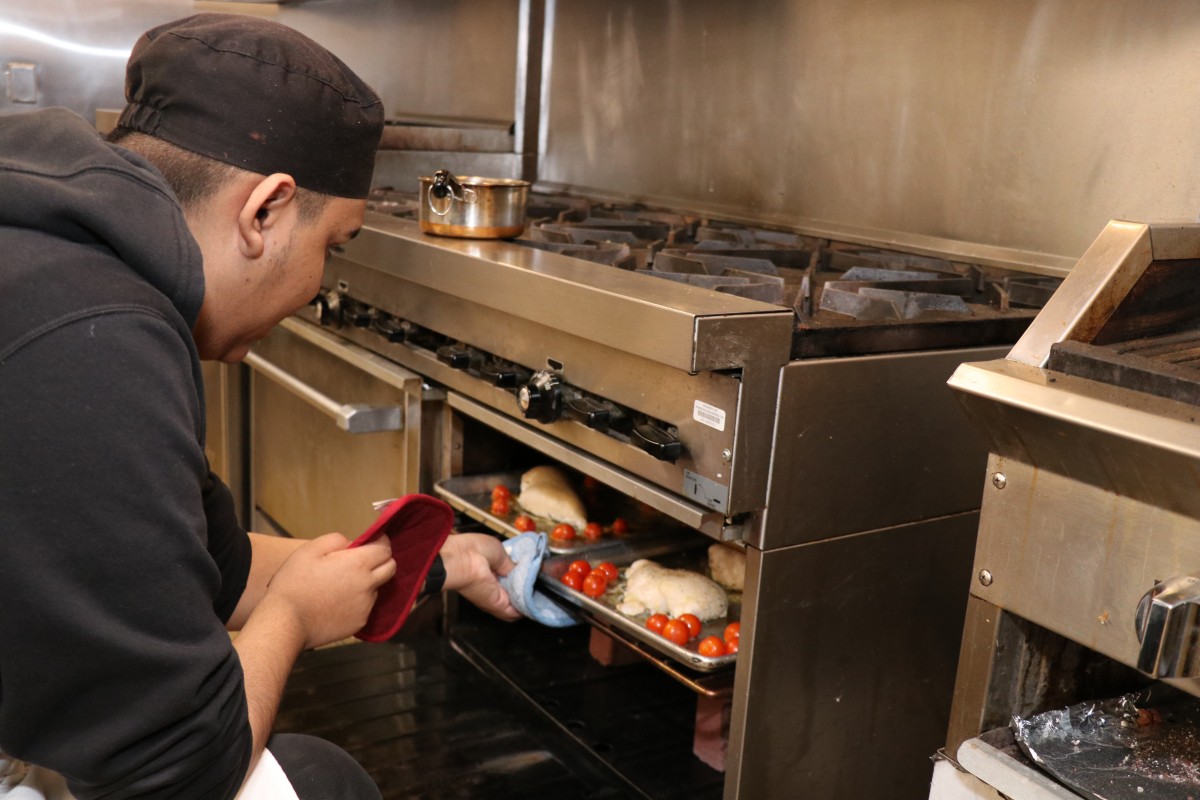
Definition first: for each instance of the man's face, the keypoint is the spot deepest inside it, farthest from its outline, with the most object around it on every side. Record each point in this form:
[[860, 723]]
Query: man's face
[[286, 278]]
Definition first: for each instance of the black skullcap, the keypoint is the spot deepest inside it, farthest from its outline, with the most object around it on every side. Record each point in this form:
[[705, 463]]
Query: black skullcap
[[258, 95]]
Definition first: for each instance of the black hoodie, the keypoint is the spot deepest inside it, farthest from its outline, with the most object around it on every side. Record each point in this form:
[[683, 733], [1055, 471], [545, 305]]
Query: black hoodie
[[120, 557]]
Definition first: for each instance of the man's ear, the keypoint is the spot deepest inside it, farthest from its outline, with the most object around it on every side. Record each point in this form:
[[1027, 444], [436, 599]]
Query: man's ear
[[263, 211]]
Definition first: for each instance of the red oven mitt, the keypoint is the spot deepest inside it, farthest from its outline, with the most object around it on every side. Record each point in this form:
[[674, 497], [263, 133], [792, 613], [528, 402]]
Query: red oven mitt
[[417, 526]]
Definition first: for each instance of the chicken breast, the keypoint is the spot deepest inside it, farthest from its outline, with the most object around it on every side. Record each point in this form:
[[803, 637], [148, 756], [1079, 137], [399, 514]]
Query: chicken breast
[[545, 492], [659, 590], [727, 566]]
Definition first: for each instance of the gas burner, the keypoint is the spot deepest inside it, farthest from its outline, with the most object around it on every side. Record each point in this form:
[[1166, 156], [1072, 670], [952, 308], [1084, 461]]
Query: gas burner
[[387, 200], [723, 235], [600, 227], [847, 299], [875, 294], [770, 275], [621, 256], [543, 208]]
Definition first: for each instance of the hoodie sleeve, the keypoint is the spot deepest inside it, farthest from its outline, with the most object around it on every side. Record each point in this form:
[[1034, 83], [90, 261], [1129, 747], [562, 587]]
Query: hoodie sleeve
[[115, 668], [228, 544]]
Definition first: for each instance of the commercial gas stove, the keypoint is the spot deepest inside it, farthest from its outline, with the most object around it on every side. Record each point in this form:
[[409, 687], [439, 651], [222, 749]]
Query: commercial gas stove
[[775, 391]]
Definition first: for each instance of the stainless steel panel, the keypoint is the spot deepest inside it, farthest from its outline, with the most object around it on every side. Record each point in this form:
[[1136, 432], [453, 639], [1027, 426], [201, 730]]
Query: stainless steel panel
[[648, 317], [452, 58], [976, 657], [863, 443], [310, 477], [705, 455], [702, 519], [1076, 559], [1117, 440], [402, 170], [79, 49], [1083, 303], [846, 662], [960, 126]]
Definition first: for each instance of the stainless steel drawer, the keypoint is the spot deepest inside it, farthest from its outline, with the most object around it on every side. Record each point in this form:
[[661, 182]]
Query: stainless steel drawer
[[333, 428]]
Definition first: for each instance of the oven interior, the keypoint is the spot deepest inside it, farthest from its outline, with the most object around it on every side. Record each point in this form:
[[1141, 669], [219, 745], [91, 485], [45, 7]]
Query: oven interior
[[633, 710]]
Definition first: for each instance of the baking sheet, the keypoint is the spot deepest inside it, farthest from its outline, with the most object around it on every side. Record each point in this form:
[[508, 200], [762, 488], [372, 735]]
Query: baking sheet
[[472, 495], [1139, 746], [680, 554]]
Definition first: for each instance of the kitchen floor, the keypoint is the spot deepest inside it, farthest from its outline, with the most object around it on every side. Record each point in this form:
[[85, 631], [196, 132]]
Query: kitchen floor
[[500, 711]]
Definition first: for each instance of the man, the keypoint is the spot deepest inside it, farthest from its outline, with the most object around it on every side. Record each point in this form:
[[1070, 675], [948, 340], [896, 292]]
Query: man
[[245, 153]]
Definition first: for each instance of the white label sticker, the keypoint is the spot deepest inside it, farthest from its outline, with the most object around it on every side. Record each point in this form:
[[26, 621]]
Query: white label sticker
[[708, 415]]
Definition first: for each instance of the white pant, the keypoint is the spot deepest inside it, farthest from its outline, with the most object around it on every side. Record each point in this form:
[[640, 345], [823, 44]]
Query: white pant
[[20, 781]]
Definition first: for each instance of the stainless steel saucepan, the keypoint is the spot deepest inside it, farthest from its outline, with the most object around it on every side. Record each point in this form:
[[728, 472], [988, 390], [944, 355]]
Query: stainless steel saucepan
[[473, 208]]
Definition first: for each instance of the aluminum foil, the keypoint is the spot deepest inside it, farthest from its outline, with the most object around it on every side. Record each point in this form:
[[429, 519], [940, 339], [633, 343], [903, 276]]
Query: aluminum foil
[[1144, 745]]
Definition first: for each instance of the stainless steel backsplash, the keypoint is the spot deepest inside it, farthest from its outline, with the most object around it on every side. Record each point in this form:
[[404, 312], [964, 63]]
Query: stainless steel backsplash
[[981, 124], [451, 58], [1009, 131]]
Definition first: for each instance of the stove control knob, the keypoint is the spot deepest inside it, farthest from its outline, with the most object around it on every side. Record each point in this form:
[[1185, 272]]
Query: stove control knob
[[329, 308], [590, 412], [390, 328], [423, 337], [455, 355], [506, 376], [355, 313], [1168, 627], [657, 442], [541, 397]]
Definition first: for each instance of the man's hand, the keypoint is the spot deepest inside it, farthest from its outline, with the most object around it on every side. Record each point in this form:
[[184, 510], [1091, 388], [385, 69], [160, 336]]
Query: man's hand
[[306, 594], [473, 561], [331, 589]]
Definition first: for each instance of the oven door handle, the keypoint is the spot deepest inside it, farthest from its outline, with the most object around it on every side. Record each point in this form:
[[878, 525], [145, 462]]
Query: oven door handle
[[350, 417]]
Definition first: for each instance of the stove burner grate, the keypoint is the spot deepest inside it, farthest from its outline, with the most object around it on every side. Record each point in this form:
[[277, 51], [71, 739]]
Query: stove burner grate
[[847, 299]]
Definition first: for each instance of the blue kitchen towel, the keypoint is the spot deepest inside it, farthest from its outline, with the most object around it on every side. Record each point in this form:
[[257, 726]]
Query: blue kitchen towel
[[527, 550]]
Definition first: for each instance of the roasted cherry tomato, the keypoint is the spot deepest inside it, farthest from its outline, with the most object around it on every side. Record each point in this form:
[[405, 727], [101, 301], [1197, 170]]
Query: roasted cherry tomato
[[711, 647], [563, 532], [500, 490], [676, 630], [580, 566], [609, 569], [656, 622], [593, 531], [595, 584], [501, 506], [573, 579], [524, 524], [620, 527], [693, 624], [733, 632]]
